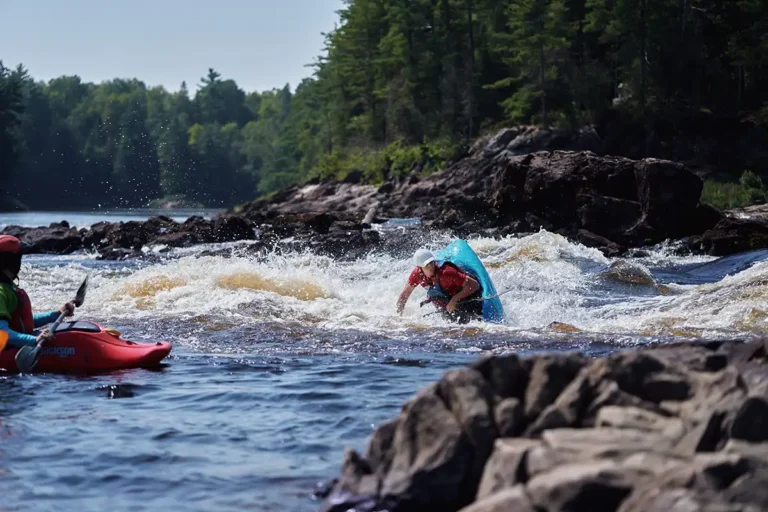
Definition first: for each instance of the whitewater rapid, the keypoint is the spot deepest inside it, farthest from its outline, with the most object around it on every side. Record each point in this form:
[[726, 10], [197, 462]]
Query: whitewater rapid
[[549, 286], [282, 361]]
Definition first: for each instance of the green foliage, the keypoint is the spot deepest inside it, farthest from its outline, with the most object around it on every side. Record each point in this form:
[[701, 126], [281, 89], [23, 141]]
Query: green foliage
[[396, 159], [748, 191], [120, 143], [402, 86], [724, 195], [753, 187], [11, 108]]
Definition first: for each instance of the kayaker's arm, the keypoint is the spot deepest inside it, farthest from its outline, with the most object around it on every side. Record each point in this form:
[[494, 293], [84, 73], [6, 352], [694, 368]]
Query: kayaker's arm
[[15, 338], [470, 286], [41, 319], [403, 298]]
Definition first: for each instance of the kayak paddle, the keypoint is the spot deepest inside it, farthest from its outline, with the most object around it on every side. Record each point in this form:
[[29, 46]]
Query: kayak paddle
[[3, 340], [27, 357]]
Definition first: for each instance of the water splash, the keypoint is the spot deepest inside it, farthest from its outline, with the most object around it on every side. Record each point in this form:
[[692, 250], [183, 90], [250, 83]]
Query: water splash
[[549, 286]]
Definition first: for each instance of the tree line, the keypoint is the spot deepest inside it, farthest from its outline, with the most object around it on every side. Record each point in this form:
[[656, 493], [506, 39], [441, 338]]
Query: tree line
[[400, 84]]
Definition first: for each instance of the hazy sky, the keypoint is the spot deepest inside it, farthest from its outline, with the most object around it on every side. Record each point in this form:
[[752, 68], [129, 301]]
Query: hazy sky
[[260, 44]]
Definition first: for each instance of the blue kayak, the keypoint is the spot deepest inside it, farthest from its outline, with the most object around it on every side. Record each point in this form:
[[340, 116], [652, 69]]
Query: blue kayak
[[461, 254]]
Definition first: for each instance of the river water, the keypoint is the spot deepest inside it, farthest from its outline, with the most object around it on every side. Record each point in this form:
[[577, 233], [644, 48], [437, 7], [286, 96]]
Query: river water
[[85, 219], [282, 362]]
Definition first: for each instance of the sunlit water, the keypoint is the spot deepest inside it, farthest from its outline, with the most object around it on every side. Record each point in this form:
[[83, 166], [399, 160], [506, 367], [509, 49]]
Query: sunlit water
[[282, 361]]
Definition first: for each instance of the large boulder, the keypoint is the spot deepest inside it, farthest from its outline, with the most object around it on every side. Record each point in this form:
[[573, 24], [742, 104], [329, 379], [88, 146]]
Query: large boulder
[[636, 430], [626, 202]]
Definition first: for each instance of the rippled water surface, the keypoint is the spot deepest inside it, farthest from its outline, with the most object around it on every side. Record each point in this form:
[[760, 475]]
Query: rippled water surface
[[282, 362]]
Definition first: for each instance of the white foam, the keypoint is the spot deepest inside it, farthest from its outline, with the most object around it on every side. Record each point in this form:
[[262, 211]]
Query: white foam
[[543, 278]]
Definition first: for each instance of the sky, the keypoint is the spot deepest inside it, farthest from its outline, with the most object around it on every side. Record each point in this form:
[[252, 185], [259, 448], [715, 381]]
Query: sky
[[261, 44]]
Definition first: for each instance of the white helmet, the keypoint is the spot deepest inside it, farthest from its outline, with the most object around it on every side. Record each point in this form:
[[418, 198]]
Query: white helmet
[[423, 257]]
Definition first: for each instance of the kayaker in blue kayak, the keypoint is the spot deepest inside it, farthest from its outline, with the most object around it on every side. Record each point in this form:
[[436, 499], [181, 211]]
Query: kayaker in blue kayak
[[449, 288], [16, 317]]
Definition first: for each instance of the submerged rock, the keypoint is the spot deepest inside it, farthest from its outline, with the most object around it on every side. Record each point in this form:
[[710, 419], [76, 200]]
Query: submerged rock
[[636, 430]]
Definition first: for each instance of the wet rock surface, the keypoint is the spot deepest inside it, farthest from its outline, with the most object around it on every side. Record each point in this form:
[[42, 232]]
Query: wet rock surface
[[324, 234]]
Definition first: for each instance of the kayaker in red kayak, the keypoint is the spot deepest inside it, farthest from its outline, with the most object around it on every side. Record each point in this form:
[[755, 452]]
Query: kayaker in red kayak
[[447, 285], [16, 317]]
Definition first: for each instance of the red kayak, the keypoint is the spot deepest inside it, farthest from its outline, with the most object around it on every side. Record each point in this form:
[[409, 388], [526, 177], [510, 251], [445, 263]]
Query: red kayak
[[87, 347]]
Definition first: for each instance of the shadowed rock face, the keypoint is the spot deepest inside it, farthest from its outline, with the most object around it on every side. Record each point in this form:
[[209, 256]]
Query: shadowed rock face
[[731, 235], [327, 234], [611, 203], [628, 201], [126, 239], [601, 201], [682, 425]]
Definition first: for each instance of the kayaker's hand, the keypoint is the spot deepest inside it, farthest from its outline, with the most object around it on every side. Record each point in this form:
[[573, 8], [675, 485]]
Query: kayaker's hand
[[69, 308], [451, 306], [45, 335]]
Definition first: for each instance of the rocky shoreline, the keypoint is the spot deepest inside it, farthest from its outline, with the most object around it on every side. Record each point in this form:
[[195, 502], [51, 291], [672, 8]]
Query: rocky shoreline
[[662, 428], [612, 203]]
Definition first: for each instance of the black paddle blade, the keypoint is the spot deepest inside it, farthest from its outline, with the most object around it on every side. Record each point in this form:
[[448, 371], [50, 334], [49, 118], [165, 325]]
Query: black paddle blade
[[80, 295], [26, 358]]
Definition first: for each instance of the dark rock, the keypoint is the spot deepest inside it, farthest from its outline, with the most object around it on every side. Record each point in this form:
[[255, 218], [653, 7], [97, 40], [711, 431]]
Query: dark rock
[[627, 202], [709, 482], [509, 417], [320, 223], [514, 499], [386, 188], [345, 225], [469, 396], [500, 141], [161, 222], [97, 234], [730, 236], [371, 238], [639, 419], [706, 218], [508, 374], [628, 431], [738, 352], [181, 239], [595, 486], [549, 376], [357, 486], [56, 239], [751, 421], [231, 228], [116, 253], [353, 177], [431, 457], [659, 388], [506, 467], [669, 194], [607, 247], [609, 216], [201, 228]]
